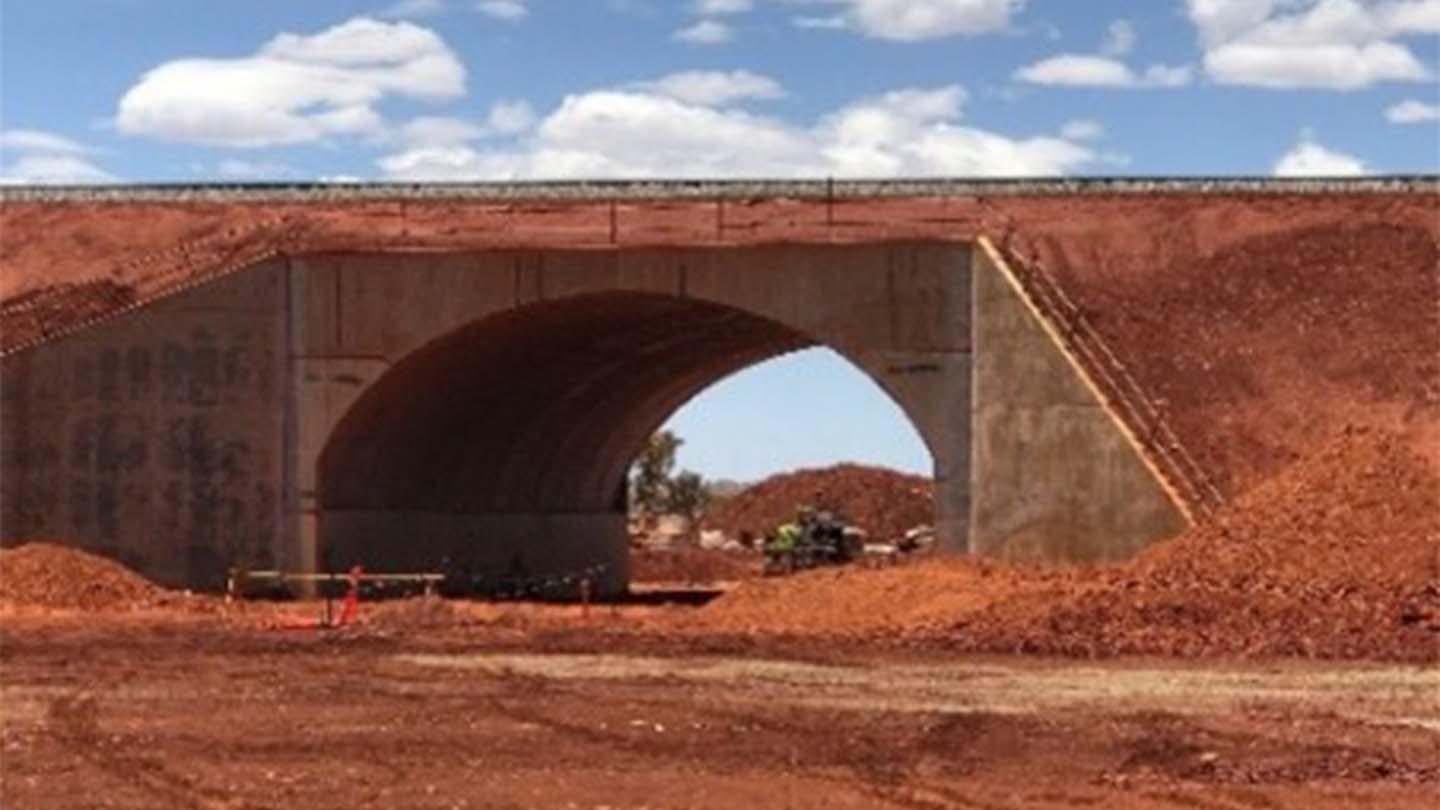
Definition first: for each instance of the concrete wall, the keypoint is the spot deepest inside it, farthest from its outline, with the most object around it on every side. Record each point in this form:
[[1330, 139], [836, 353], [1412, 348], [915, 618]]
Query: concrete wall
[[900, 312], [1053, 476], [487, 546], [483, 407], [156, 439]]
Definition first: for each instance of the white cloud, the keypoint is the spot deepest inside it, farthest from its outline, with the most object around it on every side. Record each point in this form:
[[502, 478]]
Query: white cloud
[[706, 32], [718, 7], [295, 89], [1422, 17], [711, 88], [439, 131], [1084, 70], [414, 8], [33, 156], [912, 20], [33, 140], [510, 117], [1083, 129], [1119, 39], [507, 10], [642, 133], [1103, 69], [506, 118], [1323, 44], [1412, 111], [1310, 159]]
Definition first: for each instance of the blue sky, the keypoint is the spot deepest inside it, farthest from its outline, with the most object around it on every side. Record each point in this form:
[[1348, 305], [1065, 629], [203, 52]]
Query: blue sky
[[198, 90]]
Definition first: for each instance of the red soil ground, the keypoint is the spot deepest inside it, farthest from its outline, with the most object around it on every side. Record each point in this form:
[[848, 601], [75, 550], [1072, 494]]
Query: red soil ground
[[1337, 557]]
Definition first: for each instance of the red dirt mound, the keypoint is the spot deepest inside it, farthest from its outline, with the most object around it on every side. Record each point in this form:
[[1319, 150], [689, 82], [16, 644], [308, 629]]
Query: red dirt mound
[[1338, 557], [52, 576], [883, 502], [858, 602]]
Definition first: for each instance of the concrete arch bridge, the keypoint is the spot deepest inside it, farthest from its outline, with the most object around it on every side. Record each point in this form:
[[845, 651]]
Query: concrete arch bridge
[[404, 376]]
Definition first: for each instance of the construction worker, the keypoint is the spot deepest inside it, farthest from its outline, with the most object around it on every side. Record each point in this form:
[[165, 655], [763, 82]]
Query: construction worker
[[780, 547], [787, 536]]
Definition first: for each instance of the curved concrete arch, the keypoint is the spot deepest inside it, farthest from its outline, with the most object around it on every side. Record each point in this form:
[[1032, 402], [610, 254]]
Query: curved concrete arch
[[490, 433], [403, 406]]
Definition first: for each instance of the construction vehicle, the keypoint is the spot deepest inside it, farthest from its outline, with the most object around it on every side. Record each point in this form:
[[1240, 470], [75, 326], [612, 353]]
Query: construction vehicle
[[817, 537]]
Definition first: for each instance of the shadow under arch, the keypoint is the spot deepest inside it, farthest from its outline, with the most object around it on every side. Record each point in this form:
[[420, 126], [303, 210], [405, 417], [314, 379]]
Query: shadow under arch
[[510, 437]]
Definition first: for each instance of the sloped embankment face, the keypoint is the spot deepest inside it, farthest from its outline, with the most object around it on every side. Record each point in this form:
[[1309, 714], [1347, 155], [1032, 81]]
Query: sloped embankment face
[[1258, 348], [1337, 557]]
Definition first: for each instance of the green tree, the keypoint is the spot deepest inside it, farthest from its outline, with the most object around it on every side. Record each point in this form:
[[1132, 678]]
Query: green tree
[[688, 496], [650, 473]]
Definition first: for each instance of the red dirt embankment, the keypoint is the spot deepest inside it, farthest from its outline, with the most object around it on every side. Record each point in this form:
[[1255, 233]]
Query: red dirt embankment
[[1337, 557], [885, 503], [1263, 343], [51, 576]]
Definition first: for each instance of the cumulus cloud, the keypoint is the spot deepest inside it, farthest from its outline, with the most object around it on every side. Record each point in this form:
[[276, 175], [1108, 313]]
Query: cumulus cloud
[[1309, 159], [1086, 70], [1412, 111], [706, 32], [506, 118], [295, 89], [637, 131], [34, 156], [714, 87], [439, 131], [912, 20], [1103, 69], [510, 116], [1322, 44]]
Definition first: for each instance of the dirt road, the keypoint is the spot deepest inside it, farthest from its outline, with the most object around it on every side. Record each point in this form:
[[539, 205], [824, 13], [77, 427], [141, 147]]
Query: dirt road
[[200, 715]]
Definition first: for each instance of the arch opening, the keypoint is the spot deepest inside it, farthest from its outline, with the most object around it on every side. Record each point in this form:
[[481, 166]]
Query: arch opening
[[504, 445]]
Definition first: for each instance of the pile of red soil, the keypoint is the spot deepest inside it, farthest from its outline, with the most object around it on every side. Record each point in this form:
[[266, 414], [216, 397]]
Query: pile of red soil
[[885, 503], [861, 603], [53, 576], [1338, 557], [689, 564]]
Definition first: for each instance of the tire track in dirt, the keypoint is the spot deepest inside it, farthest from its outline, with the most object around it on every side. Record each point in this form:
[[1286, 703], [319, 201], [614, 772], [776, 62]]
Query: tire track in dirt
[[74, 720]]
